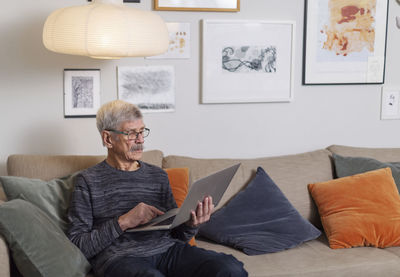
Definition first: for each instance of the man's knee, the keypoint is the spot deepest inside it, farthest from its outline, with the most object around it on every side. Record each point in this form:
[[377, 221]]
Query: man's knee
[[149, 272], [229, 266]]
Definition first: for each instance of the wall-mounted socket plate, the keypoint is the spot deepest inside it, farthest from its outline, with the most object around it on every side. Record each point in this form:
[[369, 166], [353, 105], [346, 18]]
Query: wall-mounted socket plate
[[390, 104]]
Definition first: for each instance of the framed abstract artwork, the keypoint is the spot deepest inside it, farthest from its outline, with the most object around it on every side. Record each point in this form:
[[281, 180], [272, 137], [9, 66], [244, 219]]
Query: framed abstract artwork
[[198, 5], [179, 42], [247, 61], [81, 92], [151, 88], [345, 41]]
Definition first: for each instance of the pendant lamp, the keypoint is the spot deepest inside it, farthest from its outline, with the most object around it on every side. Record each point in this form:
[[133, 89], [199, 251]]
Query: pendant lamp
[[105, 29]]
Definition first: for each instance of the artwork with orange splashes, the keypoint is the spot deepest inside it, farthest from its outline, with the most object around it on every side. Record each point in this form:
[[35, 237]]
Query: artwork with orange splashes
[[179, 42], [349, 27]]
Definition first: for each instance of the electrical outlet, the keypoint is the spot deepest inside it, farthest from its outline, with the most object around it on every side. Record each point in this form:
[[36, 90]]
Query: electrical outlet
[[390, 105]]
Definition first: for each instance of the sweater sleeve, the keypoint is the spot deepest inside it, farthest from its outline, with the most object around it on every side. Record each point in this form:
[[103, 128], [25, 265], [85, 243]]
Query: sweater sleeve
[[89, 240]]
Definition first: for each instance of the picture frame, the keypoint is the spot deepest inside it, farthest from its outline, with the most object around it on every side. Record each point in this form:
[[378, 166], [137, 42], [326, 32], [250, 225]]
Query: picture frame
[[247, 61], [125, 1], [151, 88], [179, 42], [81, 92], [344, 42], [198, 5], [390, 103]]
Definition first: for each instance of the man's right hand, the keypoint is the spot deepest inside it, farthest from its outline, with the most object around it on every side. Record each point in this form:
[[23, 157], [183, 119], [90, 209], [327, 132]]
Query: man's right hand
[[141, 214]]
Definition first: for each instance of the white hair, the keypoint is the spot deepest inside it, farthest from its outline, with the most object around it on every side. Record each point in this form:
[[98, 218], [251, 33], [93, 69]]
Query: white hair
[[112, 114]]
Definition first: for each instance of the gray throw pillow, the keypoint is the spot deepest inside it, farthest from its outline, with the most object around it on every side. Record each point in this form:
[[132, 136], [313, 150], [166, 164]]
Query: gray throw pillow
[[52, 197], [38, 246], [348, 166]]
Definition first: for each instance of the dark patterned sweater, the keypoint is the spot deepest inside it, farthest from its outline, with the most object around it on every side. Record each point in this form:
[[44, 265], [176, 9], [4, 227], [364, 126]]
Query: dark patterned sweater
[[102, 194]]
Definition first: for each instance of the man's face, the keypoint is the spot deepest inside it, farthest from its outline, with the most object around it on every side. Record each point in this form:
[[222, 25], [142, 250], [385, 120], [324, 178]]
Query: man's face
[[129, 149]]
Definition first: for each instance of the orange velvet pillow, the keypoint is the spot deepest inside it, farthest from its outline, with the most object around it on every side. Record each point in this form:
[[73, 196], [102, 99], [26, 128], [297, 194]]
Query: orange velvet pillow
[[359, 210], [179, 181]]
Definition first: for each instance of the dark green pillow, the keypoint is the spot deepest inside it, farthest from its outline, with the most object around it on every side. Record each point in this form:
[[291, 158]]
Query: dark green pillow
[[348, 166], [52, 197], [38, 246]]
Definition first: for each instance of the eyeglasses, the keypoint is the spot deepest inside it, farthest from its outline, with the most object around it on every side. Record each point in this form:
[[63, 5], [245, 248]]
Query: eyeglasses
[[132, 135]]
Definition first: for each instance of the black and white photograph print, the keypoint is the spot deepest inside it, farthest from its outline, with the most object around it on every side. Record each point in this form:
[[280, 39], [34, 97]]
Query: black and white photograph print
[[151, 88], [260, 59], [81, 92]]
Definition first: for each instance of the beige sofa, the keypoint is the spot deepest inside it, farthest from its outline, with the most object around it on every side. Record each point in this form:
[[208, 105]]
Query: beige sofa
[[291, 173]]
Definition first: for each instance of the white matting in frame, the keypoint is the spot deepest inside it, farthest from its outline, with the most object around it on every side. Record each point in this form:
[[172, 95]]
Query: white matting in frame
[[81, 92], [247, 61], [345, 41], [198, 5]]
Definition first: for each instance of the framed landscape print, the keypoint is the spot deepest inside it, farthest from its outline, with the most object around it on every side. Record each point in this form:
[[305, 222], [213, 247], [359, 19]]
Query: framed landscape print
[[151, 88], [81, 92], [198, 5], [247, 61], [345, 41]]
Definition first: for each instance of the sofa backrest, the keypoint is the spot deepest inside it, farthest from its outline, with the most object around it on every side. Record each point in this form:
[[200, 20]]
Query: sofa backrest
[[380, 154], [292, 174], [48, 167]]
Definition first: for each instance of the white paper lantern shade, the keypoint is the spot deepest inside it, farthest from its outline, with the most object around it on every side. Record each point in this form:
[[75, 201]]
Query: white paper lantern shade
[[105, 29]]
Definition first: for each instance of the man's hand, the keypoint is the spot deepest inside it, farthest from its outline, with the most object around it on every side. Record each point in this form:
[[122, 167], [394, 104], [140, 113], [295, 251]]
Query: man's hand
[[140, 214], [203, 212]]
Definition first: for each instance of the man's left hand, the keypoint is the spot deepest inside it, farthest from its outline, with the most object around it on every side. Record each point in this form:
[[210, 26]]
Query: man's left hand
[[203, 212]]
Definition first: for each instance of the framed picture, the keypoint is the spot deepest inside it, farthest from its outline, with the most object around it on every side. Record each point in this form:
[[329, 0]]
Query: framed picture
[[151, 88], [81, 92], [345, 41], [247, 61], [198, 5], [179, 42], [390, 103], [125, 1]]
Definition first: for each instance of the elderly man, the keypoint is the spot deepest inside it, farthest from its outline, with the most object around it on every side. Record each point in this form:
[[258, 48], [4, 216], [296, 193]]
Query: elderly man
[[123, 192]]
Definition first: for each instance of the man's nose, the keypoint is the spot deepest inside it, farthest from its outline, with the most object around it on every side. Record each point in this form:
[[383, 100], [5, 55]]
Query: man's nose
[[139, 138]]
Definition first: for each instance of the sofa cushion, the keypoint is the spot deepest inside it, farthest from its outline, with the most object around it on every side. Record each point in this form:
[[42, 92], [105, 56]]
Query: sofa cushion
[[52, 197], [360, 210], [292, 173], [314, 258], [179, 182], [259, 220], [38, 246], [347, 166]]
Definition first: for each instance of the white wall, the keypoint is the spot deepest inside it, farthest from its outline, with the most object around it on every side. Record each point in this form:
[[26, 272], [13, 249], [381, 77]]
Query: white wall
[[31, 96]]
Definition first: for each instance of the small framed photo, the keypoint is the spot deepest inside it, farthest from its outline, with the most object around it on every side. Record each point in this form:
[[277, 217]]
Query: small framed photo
[[179, 42], [81, 92], [151, 88], [390, 103], [345, 42], [198, 5], [247, 61]]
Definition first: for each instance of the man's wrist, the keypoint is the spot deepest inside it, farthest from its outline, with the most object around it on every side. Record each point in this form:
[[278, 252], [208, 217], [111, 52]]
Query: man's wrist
[[122, 223]]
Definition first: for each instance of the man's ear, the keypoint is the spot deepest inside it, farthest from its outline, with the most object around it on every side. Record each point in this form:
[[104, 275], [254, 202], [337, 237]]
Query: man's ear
[[107, 139]]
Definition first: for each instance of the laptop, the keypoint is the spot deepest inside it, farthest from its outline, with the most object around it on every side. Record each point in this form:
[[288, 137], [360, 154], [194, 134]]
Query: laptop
[[213, 185]]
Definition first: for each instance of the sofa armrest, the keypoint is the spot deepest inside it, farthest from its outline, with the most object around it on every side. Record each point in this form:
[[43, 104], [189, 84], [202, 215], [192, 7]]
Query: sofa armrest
[[4, 258]]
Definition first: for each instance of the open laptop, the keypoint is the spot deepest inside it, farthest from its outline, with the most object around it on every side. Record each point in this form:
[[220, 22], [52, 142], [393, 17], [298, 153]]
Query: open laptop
[[213, 185]]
